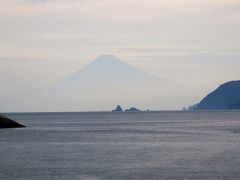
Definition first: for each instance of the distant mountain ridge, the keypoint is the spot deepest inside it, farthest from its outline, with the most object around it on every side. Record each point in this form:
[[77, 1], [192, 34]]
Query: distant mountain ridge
[[226, 96]]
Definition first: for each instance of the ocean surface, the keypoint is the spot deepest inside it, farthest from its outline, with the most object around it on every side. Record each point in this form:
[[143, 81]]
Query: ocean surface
[[112, 145]]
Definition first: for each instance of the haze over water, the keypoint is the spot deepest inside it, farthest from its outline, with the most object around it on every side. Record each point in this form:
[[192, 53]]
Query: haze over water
[[144, 145]]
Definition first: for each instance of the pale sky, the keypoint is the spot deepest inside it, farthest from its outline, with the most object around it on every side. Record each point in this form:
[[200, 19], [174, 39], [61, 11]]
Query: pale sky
[[196, 42]]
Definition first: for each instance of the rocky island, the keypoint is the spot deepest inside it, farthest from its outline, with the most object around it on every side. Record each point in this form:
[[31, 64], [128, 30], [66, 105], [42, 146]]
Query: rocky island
[[132, 109], [118, 109], [8, 123]]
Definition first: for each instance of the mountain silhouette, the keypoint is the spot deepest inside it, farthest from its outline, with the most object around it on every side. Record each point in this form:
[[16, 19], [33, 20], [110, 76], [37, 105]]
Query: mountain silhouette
[[109, 68], [100, 85]]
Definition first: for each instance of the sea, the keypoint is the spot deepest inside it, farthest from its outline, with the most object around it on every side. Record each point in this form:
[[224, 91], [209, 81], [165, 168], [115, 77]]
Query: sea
[[164, 145]]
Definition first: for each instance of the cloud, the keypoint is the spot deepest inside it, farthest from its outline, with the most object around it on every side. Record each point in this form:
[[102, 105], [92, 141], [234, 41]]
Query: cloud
[[135, 7]]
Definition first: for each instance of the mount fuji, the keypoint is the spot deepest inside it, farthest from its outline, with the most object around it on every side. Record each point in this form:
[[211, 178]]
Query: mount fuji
[[101, 85], [106, 70]]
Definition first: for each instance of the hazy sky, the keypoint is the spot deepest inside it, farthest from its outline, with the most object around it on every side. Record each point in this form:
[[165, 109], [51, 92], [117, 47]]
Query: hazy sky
[[191, 41]]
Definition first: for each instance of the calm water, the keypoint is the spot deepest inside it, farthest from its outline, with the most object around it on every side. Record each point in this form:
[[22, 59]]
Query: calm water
[[145, 145]]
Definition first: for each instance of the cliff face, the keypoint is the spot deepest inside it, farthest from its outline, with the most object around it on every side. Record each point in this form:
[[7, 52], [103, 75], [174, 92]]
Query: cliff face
[[227, 96], [8, 123]]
